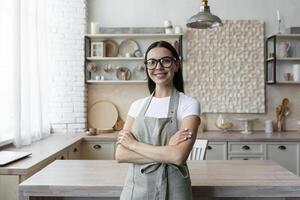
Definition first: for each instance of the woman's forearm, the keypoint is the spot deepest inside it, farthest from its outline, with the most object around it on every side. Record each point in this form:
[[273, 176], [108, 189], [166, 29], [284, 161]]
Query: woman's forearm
[[124, 155], [162, 154]]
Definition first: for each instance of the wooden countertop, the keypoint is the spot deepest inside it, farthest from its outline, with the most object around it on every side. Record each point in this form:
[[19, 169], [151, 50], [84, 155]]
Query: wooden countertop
[[218, 136], [223, 178], [44, 151], [257, 136]]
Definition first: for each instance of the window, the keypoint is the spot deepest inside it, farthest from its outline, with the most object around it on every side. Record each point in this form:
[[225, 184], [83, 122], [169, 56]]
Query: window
[[7, 37]]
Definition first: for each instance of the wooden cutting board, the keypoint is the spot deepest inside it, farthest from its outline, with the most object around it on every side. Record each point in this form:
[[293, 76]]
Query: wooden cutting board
[[102, 115]]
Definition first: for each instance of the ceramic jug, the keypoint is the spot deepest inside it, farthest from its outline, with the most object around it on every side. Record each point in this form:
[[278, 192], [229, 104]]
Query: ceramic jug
[[284, 49]]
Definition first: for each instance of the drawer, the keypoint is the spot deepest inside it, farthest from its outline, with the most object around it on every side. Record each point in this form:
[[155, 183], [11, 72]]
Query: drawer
[[216, 151], [97, 151], [245, 148], [245, 157]]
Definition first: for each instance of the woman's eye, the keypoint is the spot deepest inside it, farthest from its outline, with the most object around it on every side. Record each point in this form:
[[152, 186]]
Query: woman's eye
[[167, 60], [151, 62]]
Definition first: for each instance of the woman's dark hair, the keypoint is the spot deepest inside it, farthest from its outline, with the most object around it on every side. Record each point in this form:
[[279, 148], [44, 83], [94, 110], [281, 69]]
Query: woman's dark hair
[[177, 79]]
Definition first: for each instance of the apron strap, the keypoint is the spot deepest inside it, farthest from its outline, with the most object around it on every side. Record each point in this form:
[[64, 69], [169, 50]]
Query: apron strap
[[173, 105]]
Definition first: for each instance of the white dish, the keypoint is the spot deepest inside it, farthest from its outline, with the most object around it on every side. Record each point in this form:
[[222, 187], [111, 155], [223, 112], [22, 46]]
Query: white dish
[[128, 47]]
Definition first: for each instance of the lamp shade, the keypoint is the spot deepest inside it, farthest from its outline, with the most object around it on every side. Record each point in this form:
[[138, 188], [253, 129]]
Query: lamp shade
[[204, 19]]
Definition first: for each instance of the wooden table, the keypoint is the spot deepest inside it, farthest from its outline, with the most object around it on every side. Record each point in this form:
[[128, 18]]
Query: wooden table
[[222, 178]]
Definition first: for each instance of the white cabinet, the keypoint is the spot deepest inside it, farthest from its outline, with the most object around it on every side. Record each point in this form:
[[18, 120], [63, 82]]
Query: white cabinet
[[246, 151], [285, 154], [74, 151], [98, 150], [216, 151]]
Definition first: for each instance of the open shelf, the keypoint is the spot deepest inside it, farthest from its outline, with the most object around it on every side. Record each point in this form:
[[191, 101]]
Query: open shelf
[[285, 36], [116, 82], [115, 58], [288, 82], [131, 63], [285, 59], [158, 35], [277, 66]]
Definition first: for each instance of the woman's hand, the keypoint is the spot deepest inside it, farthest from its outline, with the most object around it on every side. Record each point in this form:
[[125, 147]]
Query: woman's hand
[[126, 139], [180, 136]]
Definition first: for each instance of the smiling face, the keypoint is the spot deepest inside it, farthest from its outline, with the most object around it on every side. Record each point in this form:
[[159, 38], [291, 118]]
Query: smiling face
[[160, 75]]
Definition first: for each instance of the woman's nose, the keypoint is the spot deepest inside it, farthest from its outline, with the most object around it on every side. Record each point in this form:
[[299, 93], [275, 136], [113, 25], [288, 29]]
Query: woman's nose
[[159, 66]]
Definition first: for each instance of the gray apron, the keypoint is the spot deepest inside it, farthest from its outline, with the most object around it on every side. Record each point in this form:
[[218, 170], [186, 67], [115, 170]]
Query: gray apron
[[157, 181]]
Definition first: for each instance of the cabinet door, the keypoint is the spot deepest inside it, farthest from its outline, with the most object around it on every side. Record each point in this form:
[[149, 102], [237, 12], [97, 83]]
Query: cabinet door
[[216, 151], [98, 151], [74, 152], [62, 156], [285, 154]]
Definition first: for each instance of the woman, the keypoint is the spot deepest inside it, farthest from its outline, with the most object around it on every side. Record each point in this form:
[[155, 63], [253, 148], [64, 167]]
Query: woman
[[159, 132]]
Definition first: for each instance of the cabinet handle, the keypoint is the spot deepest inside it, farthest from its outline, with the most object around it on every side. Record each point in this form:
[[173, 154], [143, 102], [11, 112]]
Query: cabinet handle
[[281, 147], [245, 159], [75, 150], [246, 147], [209, 147], [97, 146]]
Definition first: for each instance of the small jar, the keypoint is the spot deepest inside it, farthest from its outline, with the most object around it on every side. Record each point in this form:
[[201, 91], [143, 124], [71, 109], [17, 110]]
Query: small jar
[[269, 126]]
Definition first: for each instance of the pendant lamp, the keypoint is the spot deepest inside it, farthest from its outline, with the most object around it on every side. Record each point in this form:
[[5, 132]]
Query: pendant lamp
[[204, 19]]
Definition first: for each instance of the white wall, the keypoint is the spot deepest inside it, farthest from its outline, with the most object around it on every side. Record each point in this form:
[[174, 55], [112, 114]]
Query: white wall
[[152, 13], [67, 22], [146, 13]]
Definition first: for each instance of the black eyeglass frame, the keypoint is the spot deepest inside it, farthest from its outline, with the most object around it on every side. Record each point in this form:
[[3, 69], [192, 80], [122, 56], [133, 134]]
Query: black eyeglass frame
[[160, 61]]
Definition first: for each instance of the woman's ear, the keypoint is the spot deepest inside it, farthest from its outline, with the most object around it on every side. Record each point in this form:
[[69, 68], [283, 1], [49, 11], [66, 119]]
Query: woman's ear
[[177, 63]]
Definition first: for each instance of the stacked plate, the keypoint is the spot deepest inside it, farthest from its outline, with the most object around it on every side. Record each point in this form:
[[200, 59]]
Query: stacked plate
[[102, 116]]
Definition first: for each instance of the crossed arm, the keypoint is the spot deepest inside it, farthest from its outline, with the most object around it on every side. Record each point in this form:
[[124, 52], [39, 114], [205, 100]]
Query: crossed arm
[[176, 152]]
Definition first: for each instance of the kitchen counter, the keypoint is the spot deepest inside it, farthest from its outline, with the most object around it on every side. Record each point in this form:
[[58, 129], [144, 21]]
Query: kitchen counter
[[44, 151], [223, 178], [236, 136]]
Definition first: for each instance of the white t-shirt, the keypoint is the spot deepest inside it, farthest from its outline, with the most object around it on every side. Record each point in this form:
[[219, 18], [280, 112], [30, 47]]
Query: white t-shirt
[[158, 107]]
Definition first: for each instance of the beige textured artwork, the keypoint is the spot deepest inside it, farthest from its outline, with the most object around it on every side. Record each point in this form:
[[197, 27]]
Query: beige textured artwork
[[225, 67]]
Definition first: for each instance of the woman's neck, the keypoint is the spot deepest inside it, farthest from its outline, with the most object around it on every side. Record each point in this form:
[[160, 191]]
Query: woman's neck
[[163, 91]]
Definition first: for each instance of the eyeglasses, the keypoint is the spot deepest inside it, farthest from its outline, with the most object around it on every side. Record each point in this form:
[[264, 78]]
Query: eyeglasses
[[165, 62]]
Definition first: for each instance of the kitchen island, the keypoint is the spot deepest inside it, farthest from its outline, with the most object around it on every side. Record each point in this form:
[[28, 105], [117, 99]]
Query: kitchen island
[[210, 178]]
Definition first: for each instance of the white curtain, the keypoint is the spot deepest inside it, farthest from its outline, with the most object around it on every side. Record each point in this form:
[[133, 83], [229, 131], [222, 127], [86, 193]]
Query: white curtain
[[28, 113]]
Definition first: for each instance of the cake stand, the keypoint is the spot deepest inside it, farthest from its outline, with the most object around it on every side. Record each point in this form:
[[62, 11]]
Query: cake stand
[[246, 124]]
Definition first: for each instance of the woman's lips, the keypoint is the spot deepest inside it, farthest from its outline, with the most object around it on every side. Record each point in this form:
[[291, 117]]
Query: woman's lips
[[160, 75]]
